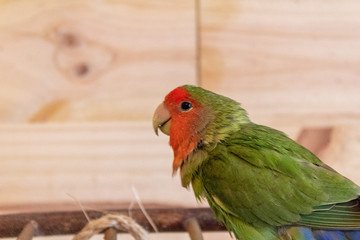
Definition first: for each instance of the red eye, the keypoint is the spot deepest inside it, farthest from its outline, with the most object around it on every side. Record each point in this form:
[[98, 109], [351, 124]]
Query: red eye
[[185, 106]]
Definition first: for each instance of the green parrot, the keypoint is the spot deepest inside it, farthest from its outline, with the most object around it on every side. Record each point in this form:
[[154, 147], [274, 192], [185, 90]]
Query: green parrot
[[258, 182]]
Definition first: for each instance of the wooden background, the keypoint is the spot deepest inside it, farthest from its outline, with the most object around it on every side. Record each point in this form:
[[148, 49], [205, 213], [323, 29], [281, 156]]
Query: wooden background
[[79, 81]]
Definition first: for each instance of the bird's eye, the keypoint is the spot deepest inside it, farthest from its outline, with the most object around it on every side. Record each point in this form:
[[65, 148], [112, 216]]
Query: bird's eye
[[185, 106]]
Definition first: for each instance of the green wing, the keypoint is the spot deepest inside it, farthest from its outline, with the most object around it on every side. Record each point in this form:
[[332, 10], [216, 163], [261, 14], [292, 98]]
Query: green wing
[[261, 176], [344, 216]]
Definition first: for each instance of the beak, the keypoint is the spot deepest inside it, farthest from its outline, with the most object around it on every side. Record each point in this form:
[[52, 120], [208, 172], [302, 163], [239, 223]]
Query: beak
[[162, 119]]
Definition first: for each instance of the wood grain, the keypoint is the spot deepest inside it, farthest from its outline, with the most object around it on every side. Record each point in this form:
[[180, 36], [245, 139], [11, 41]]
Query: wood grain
[[92, 60], [43, 163], [286, 61]]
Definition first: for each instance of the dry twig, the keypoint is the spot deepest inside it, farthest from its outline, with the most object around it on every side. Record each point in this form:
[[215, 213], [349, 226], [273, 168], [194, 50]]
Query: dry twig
[[119, 222]]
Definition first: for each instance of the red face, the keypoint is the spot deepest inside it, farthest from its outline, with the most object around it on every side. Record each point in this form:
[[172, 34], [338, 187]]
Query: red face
[[181, 117]]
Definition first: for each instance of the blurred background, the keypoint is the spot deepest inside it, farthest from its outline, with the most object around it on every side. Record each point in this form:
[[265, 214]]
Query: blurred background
[[80, 80]]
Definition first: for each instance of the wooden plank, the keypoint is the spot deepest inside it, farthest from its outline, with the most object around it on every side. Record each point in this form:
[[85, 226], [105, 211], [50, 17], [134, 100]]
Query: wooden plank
[[99, 162], [95, 162], [43, 163], [288, 62], [92, 60]]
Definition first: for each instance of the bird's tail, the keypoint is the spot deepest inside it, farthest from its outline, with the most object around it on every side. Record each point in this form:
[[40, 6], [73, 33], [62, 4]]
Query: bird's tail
[[339, 221], [304, 233]]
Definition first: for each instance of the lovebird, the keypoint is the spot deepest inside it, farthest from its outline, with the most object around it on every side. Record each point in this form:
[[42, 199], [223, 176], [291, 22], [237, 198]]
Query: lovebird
[[258, 182]]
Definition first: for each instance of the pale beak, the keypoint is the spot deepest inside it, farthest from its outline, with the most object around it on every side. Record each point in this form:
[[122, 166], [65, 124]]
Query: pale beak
[[162, 119]]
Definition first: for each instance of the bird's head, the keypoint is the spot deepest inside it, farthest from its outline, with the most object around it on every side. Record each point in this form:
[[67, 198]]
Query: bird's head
[[193, 117]]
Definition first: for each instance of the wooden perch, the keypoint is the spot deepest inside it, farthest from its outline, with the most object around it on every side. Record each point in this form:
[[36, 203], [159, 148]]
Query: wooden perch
[[110, 234], [61, 223], [29, 231], [193, 228]]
